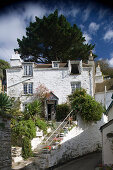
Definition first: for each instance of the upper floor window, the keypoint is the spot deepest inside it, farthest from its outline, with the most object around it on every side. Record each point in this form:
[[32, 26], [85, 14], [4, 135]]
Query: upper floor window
[[75, 85], [28, 88], [55, 64], [28, 70]]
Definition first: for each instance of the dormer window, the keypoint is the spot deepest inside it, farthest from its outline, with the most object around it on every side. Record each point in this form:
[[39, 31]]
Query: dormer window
[[55, 64], [28, 70], [74, 67]]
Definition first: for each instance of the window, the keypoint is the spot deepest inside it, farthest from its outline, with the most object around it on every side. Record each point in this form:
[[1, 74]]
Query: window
[[28, 70], [75, 85], [74, 69], [28, 88], [55, 64]]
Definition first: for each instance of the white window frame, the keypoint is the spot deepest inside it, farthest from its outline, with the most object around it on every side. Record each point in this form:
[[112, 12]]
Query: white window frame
[[75, 85], [28, 70], [55, 64], [28, 88]]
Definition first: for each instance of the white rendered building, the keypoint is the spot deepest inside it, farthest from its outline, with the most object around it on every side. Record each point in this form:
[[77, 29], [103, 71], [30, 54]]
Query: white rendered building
[[61, 79]]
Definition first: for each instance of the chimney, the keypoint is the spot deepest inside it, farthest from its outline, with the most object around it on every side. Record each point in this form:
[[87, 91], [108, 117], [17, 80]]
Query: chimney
[[90, 56]]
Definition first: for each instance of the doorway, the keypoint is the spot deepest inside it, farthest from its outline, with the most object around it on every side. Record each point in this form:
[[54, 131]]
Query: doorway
[[50, 106]]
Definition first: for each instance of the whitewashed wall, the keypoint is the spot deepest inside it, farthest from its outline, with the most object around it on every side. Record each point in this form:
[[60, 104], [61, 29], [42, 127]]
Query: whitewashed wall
[[104, 98], [83, 139], [56, 80], [107, 149]]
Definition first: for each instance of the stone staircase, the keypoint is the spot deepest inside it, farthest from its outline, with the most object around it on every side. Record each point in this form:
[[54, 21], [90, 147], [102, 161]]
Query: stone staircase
[[50, 144]]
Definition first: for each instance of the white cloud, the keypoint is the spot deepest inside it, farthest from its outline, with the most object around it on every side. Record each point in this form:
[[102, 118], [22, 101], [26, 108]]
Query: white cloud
[[102, 13], [14, 21], [108, 35], [86, 13], [13, 24], [87, 37], [93, 27]]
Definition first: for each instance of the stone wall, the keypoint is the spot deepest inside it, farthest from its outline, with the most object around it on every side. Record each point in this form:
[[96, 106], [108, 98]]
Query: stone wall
[[5, 144], [81, 140]]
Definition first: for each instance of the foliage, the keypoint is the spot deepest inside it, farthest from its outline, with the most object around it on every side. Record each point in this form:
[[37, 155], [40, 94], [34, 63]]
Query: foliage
[[32, 110], [41, 124], [106, 69], [62, 110], [24, 128], [3, 65], [42, 92], [5, 104], [26, 148], [15, 109], [82, 103], [53, 38]]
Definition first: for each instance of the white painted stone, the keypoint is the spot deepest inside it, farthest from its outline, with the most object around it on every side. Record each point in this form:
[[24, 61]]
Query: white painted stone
[[104, 98], [56, 80]]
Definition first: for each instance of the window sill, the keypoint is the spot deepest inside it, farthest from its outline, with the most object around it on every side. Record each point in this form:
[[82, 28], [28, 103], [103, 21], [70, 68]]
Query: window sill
[[27, 76], [27, 94]]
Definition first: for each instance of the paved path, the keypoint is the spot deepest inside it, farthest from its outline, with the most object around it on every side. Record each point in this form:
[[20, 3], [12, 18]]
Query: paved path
[[88, 162]]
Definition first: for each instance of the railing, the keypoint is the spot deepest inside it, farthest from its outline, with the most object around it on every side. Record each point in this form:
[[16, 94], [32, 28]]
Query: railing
[[57, 128]]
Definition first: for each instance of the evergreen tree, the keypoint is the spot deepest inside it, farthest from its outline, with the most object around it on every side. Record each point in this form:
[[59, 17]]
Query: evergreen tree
[[53, 38]]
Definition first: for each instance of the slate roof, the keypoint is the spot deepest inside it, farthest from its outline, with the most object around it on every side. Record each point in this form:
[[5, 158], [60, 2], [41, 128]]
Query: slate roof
[[61, 65], [106, 124]]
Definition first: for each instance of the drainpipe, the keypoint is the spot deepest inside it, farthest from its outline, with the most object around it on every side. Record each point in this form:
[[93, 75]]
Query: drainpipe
[[105, 98]]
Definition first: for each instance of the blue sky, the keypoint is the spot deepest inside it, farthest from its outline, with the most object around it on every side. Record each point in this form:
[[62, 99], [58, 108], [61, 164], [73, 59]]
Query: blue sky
[[95, 21]]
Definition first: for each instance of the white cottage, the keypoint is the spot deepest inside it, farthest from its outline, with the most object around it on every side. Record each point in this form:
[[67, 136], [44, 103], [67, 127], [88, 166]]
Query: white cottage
[[107, 137], [61, 79]]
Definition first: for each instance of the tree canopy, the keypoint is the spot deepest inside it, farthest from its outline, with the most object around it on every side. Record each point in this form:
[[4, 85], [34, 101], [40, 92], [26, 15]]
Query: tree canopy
[[53, 38]]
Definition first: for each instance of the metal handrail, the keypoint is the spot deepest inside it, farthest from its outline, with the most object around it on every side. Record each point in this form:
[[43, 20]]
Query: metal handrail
[[58, 127], [57, 134]]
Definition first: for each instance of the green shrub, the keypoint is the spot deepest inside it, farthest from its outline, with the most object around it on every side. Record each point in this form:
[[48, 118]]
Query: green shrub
[[41, 124], [26, 148], [62, 111], [21, 129], [5, 104], [33, 109], [85, 105]]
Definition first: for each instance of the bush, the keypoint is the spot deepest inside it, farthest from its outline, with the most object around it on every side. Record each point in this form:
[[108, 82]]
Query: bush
[[5, 104], [21, 129], [82, 103], [62, 111], [26, 148], [33, 109], [41, 124]]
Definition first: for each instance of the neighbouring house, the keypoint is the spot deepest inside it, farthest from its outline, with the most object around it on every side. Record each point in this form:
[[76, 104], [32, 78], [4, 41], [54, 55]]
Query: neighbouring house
[[103, 88], [61, 79], [107, 137]]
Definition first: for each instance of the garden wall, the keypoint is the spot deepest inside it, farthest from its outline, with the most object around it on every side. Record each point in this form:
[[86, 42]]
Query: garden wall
[[81, 140], [5, 144]]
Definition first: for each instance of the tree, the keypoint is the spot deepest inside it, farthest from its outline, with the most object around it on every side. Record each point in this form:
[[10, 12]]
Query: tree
[[85, 105], [53, 38], [105, 68], [3, 66]]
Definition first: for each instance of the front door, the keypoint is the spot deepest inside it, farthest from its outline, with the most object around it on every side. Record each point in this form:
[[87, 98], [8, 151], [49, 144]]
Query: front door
[[49, 111]]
